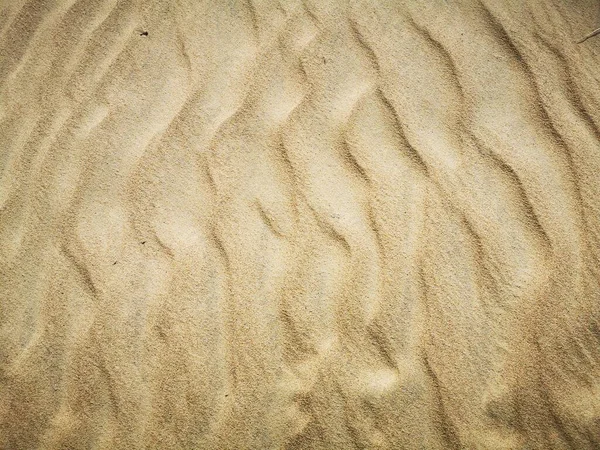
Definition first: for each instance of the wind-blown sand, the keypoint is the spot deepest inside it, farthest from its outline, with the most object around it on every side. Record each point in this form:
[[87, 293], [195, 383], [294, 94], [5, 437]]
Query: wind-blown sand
[[302, 225]]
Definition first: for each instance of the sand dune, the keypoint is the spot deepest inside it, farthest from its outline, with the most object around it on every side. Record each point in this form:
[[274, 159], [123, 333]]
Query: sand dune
[[299, 224]]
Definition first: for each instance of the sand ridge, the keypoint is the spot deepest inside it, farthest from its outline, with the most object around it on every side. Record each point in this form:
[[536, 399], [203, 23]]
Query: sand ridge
[[306, 225]]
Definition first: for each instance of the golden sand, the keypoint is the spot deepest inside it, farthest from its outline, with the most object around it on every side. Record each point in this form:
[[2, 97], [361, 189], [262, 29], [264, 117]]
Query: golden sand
[[318, 224]]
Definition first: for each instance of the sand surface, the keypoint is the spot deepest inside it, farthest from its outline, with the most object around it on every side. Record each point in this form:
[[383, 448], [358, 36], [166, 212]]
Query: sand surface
[[318, 224]]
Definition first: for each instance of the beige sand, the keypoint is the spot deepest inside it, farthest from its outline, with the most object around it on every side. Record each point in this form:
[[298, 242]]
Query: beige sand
[[262, 224]]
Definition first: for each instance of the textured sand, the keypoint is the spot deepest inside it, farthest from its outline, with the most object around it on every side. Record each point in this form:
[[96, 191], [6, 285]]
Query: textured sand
[[299, 225]]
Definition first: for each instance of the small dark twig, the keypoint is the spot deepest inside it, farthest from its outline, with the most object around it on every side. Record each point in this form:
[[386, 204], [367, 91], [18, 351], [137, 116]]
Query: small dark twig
[[592, 34]]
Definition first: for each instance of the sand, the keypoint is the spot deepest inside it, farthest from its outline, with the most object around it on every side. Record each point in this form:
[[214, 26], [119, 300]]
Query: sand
[[261, 224]]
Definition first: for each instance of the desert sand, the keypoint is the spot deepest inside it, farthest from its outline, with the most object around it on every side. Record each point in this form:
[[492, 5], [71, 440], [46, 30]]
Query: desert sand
[[299, 224]]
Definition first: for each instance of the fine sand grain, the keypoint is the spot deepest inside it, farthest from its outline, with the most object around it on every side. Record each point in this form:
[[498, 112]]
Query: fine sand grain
[[299, 224]]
